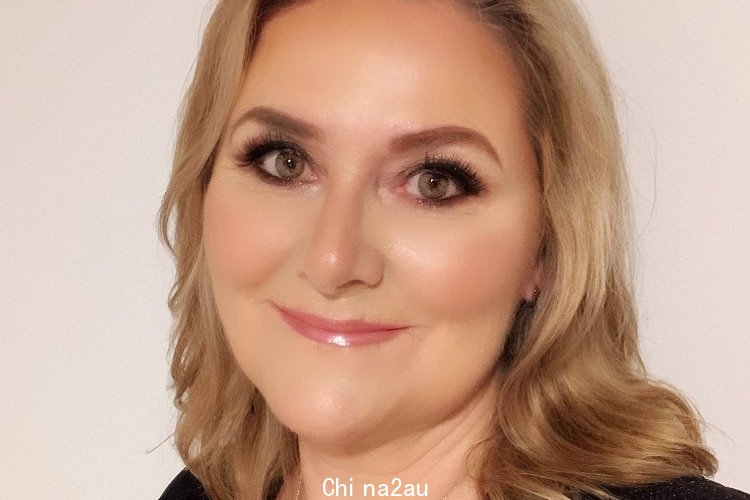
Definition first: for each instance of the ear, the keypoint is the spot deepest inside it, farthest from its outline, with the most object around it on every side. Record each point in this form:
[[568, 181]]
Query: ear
[[536, 280]]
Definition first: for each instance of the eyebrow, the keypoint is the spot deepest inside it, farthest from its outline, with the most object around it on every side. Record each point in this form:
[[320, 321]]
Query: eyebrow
[[445, 135], [276, 119], [437, 136]]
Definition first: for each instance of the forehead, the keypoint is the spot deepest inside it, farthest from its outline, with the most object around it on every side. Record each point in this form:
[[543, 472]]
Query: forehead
[[374, 64]]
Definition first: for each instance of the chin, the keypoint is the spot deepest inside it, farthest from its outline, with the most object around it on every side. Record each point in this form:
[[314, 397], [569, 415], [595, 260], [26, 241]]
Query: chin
[[327, 420], [326, 414]]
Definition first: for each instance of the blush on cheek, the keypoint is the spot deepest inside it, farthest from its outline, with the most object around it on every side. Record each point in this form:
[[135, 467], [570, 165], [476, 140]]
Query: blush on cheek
[[243, 242], [466, 273]]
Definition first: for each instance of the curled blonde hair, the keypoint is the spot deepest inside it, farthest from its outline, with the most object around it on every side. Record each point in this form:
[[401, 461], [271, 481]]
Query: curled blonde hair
[[577, 411]]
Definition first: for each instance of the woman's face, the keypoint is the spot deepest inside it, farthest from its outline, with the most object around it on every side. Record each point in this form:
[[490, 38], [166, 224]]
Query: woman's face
[[358, 95]]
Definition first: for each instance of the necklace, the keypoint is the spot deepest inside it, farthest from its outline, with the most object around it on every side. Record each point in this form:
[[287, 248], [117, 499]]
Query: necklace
[[299, 488]]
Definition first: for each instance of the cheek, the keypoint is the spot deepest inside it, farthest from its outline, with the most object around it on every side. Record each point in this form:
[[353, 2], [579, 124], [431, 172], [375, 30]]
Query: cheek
[[244, 241], [471, 268]]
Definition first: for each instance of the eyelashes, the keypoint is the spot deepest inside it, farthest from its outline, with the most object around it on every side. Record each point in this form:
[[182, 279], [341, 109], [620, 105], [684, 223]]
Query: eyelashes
[[451, 167], [431, 170], [250, 154]]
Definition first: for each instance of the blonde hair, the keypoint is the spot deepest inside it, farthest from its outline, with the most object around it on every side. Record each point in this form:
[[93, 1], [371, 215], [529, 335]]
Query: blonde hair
[[577, 410]]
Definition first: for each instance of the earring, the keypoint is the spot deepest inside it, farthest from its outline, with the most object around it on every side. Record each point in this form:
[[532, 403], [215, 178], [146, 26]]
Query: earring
[[534, 297]]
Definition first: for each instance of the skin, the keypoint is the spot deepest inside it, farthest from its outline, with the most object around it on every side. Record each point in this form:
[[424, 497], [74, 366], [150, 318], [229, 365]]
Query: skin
[[354, 242]]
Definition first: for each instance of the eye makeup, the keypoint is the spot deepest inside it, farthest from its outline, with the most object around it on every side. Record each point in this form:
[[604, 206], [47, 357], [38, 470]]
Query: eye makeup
[[251, 154], [467, 181]]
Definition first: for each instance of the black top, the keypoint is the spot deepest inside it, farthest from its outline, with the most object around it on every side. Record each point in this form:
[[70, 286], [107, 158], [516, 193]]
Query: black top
[[185, 486]]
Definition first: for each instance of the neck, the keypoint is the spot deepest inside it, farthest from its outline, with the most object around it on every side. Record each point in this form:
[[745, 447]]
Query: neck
[[432, 460]]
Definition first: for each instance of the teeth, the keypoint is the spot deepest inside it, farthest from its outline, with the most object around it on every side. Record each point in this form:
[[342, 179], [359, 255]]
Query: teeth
[[338, 340]]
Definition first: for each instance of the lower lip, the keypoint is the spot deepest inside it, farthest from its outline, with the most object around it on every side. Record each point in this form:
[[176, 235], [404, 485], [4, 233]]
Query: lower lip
[[341, 339]]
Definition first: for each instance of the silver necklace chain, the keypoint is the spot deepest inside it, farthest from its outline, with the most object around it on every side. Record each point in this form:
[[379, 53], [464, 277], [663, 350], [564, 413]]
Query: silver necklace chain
[[299, 488]]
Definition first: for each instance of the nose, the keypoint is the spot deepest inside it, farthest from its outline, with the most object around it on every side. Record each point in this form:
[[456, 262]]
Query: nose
[[341, 254]]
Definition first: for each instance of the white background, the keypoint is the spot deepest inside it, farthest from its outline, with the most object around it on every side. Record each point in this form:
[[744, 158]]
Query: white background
[[88, 96]]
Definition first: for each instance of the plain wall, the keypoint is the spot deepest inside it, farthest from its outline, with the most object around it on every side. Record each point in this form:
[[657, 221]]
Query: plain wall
[[89, 94]]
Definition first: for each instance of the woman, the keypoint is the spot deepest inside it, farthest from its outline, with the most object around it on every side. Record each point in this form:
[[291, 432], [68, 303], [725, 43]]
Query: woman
[[400, 235]]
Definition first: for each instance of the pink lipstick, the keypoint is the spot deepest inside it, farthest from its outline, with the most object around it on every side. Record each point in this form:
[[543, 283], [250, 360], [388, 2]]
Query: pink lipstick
[[344, 333]]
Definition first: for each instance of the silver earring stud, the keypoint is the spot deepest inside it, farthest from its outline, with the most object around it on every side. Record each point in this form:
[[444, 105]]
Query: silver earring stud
[[534, 297]]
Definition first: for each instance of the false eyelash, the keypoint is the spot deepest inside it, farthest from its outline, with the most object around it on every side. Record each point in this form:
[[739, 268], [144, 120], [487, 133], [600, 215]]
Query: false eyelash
[[253, 149], [468, 181]]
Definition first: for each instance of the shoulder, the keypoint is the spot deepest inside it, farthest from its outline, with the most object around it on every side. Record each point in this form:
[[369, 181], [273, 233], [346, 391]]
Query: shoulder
[[682, 488], [185, 486]]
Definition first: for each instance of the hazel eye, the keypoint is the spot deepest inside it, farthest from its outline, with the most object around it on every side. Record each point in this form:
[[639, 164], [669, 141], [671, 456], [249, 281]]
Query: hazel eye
[[284, 164], [433, 186]]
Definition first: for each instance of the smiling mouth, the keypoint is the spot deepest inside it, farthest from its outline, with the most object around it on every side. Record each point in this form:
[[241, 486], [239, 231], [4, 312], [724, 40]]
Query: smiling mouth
[[342, 333]]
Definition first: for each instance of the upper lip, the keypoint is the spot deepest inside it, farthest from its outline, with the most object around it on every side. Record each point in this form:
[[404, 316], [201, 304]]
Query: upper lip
[[340, 325]]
